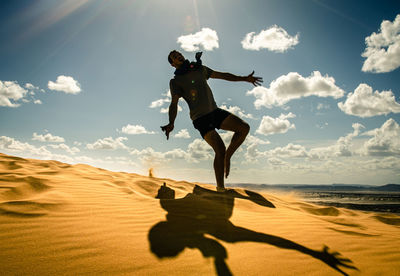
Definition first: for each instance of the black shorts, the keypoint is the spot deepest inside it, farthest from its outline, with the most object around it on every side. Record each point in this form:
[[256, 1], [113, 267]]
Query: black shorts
[[210, 121]]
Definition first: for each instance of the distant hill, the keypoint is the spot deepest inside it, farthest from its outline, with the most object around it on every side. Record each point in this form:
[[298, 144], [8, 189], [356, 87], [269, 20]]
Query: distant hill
[[332, 187]]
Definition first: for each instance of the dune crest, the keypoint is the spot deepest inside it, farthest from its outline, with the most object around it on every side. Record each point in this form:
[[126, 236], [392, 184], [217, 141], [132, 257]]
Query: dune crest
[[57, 218]]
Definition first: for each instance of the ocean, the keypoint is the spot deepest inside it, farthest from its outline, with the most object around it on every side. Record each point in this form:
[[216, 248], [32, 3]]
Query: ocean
[[385, 199]]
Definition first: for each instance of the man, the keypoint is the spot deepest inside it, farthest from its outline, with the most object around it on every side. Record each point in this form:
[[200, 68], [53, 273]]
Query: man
[[190, 82]]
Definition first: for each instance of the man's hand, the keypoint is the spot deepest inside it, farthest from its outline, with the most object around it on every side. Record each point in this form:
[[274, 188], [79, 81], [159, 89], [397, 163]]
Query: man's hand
[[167, 129], [256, 81]]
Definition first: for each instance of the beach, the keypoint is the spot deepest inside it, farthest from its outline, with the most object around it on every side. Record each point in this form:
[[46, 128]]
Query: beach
[[62, 219]]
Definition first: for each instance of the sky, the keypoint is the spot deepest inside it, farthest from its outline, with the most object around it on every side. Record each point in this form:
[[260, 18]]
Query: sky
[[87, 81]]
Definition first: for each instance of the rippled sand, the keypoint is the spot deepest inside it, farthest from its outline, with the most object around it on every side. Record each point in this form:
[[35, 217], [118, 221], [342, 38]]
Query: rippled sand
[[60, 219]]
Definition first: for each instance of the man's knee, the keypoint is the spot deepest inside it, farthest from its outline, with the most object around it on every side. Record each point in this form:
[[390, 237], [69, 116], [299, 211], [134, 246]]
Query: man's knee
[[245, 129]]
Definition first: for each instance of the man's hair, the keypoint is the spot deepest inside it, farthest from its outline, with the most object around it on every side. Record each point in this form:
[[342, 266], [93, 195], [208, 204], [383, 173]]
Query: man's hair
[[169, 56]]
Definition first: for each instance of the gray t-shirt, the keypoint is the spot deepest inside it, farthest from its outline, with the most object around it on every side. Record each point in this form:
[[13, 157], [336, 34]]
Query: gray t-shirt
[[193, 87]]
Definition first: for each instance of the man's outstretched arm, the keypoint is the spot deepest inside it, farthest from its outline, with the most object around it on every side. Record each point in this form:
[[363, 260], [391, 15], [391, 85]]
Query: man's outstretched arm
[[172, 112], [231, 77]]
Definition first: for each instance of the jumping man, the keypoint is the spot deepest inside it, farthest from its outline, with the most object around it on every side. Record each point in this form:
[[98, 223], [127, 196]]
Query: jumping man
[[190, 82]]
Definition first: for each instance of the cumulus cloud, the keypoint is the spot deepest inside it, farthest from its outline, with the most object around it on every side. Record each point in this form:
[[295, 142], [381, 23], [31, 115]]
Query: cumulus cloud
[[196, 151], [135, 129], [237, 111], [289, 151], [252, 143], [382, 50], [276, 162], [65, 84], [48, 137], [150, 156], [183, 133], [161, 102], [199, 150], [294, 86], [275, 39], [11, 91], [271, 125], [15, 146], [206, 38], [108, 143], [342, 147], [385, 140], [363, 102], [66, 148]]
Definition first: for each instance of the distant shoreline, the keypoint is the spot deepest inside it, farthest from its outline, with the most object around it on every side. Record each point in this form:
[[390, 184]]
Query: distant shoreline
[[331, 187]]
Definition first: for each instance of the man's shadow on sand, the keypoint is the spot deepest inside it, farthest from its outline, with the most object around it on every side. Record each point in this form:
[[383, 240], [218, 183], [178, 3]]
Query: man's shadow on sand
[[203, 212]]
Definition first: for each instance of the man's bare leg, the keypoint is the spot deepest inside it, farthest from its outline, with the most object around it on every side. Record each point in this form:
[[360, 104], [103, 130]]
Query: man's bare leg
[[215, 141], [240, 129]]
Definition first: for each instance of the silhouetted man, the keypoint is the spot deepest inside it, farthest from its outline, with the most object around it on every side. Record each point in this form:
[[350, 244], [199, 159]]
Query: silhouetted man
[[190, 82]]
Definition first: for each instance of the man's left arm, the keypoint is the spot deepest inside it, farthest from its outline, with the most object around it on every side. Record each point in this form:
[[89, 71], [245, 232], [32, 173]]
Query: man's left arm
[[231, 77]]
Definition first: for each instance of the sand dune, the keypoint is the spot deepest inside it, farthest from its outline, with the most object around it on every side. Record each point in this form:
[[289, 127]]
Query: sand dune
[[60, 219]]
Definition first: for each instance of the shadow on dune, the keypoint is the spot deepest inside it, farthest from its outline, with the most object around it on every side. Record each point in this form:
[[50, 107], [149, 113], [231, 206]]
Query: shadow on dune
[[205, 212]]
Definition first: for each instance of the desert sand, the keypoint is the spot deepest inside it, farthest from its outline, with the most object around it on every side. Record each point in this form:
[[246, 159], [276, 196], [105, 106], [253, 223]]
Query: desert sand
[[61, 219]]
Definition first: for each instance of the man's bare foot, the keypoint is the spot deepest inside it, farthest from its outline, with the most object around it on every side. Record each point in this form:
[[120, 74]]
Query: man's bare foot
[[227, 165], [221, 189]]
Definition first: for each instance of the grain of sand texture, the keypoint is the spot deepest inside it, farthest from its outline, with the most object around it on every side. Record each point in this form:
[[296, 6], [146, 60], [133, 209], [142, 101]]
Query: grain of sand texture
[[60, 219]]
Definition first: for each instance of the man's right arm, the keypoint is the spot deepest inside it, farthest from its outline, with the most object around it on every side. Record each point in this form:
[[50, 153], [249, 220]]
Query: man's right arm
[[173, 108], [172, 112]]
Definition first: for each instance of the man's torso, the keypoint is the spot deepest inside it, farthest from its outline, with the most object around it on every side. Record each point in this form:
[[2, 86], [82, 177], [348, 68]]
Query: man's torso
[[193, 87]]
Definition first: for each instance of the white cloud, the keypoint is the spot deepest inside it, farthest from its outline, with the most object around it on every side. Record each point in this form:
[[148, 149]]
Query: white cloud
[[166, 109], [196, 151], [199, 150], [289, 151], [276, 162], [65, 84], [48, 137], [254, 140], [135, 129], [37, 102], [252, 153], [152, 157], [271, 125], [363, 102], [342, 147], [11, 91], [30, 86], [207, 38], [108, 143], [275, 39], [385, 140], [15, 146], [237, 111], [294, 86], [66, 148], [383, 48], [183, 133], [160, 103]]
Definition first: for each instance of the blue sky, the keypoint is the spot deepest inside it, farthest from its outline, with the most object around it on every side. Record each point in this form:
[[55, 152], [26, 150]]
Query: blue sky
[[85, 81]]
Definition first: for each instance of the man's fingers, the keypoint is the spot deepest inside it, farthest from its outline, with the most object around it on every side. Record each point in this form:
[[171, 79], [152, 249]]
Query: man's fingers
[[252, 73]]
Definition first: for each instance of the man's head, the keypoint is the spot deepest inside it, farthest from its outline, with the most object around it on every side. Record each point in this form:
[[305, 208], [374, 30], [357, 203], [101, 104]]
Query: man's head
[[176, 59]]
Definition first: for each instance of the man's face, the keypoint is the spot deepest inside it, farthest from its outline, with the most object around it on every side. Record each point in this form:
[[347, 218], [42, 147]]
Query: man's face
[[177, 59]]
